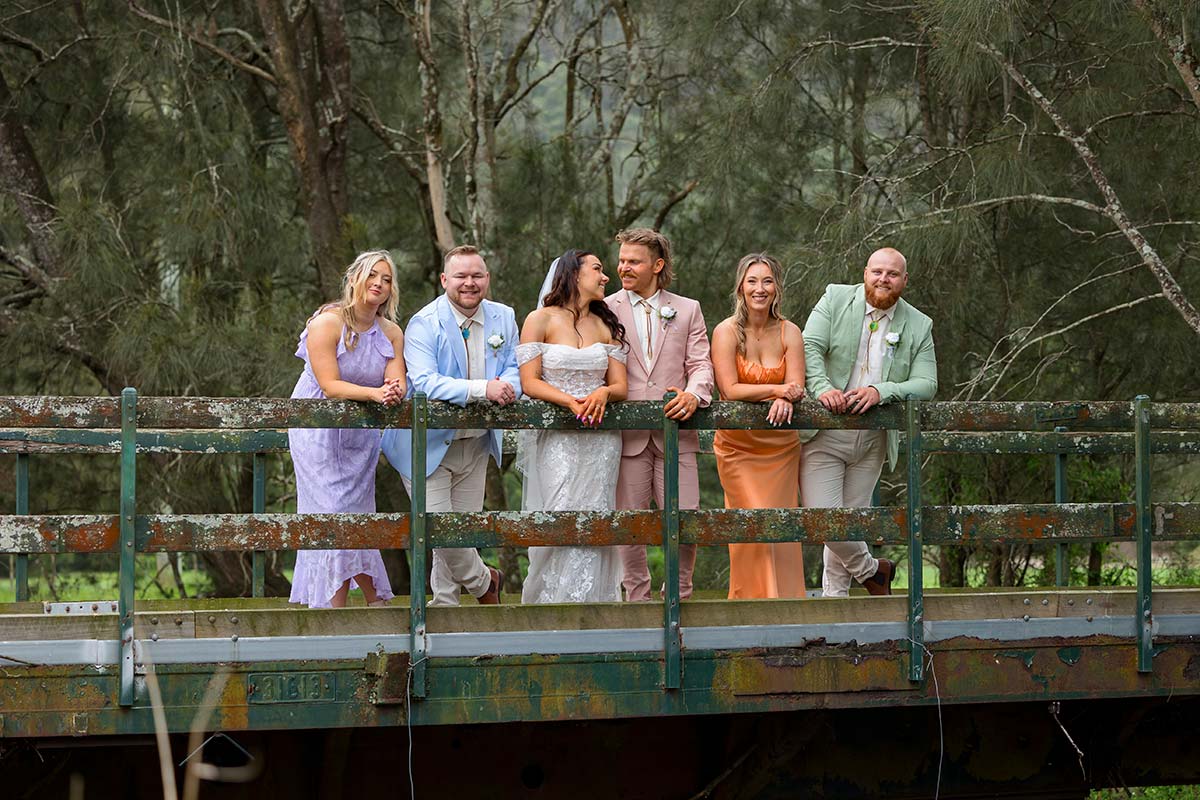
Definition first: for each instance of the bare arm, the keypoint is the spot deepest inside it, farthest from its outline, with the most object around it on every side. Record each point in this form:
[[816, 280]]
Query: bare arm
[[532, 385], [323, 333], [793, 361], [724, 357]]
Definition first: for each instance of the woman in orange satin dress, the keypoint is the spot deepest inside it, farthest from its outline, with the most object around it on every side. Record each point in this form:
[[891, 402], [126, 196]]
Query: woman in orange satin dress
[[758, 357]]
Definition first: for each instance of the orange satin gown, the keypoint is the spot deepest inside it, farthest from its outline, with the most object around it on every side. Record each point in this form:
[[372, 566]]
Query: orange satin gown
[[761, 469]]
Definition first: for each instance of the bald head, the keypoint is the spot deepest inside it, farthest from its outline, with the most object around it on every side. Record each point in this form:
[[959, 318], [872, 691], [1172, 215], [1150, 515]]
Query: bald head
[[889, 255], [885, 277]]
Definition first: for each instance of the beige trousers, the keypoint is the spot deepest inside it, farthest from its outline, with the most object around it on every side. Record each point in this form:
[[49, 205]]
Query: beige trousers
[[457, 485], [839, 470]]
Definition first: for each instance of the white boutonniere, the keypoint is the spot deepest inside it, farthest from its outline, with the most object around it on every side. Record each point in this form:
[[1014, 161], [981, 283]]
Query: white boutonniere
[[666, 314], [495, 341], [892, 340]]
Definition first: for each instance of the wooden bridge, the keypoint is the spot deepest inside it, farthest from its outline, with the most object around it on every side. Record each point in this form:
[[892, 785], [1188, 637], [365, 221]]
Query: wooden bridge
[[1041, 691]]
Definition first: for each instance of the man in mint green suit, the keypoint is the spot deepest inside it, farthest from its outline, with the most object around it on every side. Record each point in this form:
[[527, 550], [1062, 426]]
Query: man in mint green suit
[[863, 346]]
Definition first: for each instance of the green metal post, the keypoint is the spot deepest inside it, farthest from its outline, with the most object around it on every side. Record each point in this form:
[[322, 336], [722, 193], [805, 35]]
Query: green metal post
[[673, 678], [916, 596], [128, 557], [21, 573], [1062, 576], [1145, 580], [258, 563], [417, 546]]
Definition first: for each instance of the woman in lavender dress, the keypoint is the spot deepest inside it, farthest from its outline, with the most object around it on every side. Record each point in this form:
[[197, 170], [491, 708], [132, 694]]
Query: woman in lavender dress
[[352, 351]]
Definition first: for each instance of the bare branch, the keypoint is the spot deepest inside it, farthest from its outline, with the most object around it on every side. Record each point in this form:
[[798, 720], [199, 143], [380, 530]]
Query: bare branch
[[24, 44], [1157, 112], [220, 52], [511, 82], [1113, 208], [661, 217], [1177, 45], [1011, 358]]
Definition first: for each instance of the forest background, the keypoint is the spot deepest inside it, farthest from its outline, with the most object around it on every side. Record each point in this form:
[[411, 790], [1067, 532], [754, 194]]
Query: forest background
[[183, 181]]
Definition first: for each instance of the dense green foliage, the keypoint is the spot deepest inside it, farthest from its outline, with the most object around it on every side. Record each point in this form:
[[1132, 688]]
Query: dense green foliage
[[193, 174]]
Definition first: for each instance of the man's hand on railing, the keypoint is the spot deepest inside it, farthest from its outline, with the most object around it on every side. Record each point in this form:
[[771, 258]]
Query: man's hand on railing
[[834, 400], [501, 392], [681, 406], [859, 401]]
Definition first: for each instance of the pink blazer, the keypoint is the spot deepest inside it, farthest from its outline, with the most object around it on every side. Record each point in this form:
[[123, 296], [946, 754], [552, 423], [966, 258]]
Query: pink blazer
[[681, 360]]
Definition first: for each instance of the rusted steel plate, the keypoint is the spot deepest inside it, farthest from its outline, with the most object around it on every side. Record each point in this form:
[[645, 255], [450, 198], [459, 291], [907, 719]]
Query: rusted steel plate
[[1074, 415], [69, 440], [60, 412], [1050, 521], [883, 525], [1043, 442], [819, 670], [84, 533], [520, 529], [267, 413], [241, 532]]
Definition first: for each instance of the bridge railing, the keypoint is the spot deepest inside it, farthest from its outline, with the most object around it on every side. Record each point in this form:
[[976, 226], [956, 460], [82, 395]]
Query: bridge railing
[[129, 425]]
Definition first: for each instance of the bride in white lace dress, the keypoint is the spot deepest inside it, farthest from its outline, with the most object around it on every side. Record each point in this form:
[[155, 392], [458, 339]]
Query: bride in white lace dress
[[572, 353]]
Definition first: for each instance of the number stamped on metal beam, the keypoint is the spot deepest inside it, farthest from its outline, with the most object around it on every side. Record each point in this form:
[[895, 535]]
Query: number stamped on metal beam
[[291, 687]]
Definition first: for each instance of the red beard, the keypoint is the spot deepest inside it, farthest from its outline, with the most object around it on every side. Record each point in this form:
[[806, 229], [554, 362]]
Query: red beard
[[882, 299]]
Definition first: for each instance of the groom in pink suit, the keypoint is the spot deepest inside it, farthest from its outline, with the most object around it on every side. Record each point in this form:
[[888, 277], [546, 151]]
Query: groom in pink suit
[[670, 354]]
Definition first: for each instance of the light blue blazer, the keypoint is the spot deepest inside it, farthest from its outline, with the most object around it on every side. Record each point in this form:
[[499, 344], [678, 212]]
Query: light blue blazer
[[435, 356]]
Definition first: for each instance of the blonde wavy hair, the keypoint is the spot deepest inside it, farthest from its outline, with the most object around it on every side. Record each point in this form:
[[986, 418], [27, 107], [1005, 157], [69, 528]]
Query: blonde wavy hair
[[659, 247], [741, 314], [354, 288]]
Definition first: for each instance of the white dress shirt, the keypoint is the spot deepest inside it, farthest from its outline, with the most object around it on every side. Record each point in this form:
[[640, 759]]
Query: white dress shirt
[[872, 348], [476, 368], [646, 338]]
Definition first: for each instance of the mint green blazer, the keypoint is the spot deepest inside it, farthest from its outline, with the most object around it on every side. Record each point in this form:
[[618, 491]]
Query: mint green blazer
[[831, 338]]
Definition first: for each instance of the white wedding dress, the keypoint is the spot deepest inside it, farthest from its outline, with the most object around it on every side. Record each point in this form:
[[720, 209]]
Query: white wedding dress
[[571, 471]]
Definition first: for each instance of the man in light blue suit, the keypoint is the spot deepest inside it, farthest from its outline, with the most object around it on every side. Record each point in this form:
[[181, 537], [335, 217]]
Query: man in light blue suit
[[461, 348]]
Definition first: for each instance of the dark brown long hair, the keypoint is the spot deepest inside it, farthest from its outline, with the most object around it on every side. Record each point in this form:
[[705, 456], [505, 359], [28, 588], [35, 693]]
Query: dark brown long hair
[[564, 292]]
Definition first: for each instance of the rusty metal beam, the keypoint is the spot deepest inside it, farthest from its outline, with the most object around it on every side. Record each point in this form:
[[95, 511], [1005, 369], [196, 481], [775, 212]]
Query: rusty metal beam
[[1037, 522], [276, 413], [69, 440], [66, 701]]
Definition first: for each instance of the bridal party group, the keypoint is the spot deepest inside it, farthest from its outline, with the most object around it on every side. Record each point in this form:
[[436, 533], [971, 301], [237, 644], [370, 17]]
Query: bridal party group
[[583, 348]]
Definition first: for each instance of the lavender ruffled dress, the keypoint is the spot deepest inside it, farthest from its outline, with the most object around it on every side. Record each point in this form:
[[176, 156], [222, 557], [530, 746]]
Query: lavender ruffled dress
[[335, 473]]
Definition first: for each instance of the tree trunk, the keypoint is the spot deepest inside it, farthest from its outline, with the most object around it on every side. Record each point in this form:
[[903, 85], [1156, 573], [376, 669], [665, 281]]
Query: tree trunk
[[1095, 563], [23, 179], [858, 119], [311, 59], [1182, 55], [431, 128]]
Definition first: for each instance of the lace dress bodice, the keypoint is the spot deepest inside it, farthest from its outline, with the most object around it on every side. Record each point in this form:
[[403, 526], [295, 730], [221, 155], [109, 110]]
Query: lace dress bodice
[[578, 371]]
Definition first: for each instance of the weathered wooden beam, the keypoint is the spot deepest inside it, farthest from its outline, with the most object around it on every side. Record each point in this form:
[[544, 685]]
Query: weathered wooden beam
[[276, 413], [241, 532], [1093, 444], [77, 441], [885, 525]]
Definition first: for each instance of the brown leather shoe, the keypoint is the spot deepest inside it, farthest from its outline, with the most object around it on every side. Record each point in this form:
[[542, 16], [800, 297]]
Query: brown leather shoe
[[881, 582], [492, 596]]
